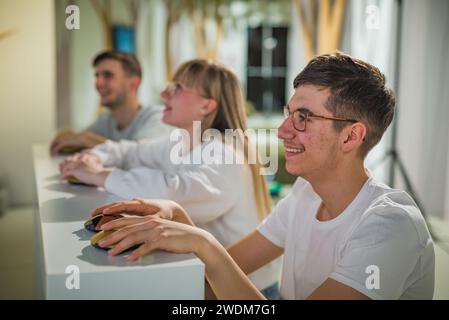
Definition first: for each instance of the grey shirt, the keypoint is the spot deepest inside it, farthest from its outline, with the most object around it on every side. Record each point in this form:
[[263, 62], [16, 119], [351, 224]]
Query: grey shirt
[[147, 123]]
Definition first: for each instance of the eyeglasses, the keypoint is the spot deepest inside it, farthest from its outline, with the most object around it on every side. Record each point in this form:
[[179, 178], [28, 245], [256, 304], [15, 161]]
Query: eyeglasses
[[174, 88], [300, 118]]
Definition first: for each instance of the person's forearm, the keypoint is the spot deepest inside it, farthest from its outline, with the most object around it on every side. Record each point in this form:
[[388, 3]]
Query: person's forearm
[[253, 251], [226, 279], [99, 178], [121, 154], [180, 215], [92, 139], [208, 292]]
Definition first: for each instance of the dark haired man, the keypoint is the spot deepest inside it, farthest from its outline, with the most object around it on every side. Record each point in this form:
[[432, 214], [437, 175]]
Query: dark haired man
[[118, 77], [343, 234]]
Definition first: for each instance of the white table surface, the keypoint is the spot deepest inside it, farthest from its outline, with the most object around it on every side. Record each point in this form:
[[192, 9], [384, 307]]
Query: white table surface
[[62, 241]]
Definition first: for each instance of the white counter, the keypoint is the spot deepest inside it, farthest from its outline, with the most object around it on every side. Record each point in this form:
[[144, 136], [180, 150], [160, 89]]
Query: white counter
[[62, 241]]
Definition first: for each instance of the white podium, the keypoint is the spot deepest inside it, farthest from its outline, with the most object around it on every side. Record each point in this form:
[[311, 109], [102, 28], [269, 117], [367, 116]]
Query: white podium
[[65, 258]]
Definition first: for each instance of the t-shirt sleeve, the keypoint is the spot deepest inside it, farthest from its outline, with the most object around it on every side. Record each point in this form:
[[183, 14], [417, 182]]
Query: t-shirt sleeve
[[381, 253], [206, 192], [128, 154], [274, 226]]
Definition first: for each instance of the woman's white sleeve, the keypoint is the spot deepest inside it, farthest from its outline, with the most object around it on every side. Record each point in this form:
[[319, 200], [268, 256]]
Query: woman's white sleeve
[[125, 154], [205, 190]]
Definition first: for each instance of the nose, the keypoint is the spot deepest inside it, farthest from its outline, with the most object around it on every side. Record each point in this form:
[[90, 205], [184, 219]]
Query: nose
[[98, 82], [286, 130], [165, 95]]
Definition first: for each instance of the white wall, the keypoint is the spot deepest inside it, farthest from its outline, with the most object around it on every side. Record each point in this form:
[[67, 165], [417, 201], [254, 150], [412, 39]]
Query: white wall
[[86, 43], [27, 90], [296, 54], [446, 196], [423, 109], [376, 45]]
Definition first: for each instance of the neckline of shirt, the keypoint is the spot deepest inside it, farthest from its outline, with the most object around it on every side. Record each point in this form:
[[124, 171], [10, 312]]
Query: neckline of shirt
[[357, 201]]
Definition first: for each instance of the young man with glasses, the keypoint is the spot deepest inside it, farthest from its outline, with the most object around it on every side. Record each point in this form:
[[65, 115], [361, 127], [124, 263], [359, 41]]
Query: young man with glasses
[[343, 234], [117, 79]]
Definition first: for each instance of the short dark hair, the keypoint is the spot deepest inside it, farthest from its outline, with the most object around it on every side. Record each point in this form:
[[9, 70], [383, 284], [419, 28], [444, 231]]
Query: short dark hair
[[357, 91], [129, 62]]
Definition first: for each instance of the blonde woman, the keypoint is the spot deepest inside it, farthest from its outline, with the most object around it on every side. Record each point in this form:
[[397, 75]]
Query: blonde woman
[[228, 200]]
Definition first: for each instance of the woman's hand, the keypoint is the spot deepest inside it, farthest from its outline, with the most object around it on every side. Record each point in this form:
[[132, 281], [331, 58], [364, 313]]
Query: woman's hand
[[165, 209], [86, 167], [154, 233], [72, 161]]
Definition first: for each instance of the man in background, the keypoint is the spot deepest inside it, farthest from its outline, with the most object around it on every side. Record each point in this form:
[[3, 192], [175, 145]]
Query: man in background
[[118, 77]]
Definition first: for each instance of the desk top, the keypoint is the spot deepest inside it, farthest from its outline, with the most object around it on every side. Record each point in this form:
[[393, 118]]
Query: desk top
[[62, 210]]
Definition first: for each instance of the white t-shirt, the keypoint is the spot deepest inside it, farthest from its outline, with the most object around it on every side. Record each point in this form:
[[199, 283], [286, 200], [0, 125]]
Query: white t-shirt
[[218, 197], [379, 245]]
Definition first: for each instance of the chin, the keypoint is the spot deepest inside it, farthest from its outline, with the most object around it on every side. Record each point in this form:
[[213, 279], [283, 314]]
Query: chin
[[166, 119], [170, 122], [293, 170]]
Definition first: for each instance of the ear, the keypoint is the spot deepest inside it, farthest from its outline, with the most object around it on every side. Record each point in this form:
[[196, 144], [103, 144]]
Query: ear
[[208, 107], [353, 136], [135, 83]]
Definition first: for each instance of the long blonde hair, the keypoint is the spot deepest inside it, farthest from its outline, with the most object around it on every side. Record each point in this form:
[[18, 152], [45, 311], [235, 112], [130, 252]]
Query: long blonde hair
[[219, 83]]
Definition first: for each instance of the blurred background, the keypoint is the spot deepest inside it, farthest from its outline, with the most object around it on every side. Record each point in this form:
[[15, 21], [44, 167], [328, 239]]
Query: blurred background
[[47, 84]]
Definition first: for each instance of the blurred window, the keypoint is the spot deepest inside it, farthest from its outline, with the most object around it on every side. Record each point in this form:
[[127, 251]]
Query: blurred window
[[267, 67]]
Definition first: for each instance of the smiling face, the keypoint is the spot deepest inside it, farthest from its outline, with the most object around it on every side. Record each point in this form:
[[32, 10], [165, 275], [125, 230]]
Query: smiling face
[[315, 151], [113, 84]]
